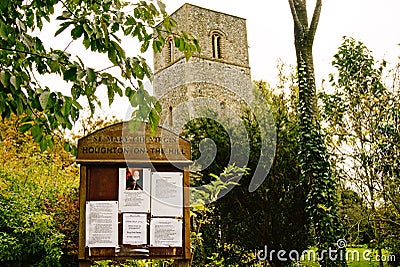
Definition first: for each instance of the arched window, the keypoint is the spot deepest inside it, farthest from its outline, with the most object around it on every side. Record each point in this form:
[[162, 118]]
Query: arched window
[[216, 39], [170, 50]]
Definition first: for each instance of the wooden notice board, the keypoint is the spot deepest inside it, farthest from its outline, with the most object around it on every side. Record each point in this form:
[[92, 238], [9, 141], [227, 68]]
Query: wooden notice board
[[134, 194]]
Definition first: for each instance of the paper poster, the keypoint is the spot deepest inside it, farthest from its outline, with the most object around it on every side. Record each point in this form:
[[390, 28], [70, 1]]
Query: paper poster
[[102, 224], [134, 190], [134, 229], [165, 232], [167, 194]]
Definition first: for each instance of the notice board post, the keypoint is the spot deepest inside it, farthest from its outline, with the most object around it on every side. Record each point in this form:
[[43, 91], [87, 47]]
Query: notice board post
[[134, 195]]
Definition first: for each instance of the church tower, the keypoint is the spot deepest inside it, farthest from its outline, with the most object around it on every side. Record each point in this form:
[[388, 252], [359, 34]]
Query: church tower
[[217, 78]]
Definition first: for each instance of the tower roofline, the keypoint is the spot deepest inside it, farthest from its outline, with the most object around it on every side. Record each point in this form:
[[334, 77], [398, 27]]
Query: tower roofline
[[188, 4]]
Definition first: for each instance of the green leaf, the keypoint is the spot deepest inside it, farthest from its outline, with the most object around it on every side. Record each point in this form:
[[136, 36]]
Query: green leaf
[[117, 89], [70, 74], [25, 127], [4, 5], [43, 144], [74, 150], [77, 32], [129, 92], [63, 26], [145, 46], [144, 110], [43, 98], [182, 45], [138, 70], [54, 65], [110, 93], [76, 104], [50, 142], [134, 124], [67, 147], [13, 81], [157, 46], [37, 131], [130, 21], [136, 13], [119, 49], [26, 119], [162, 6], [112, 55], [128, 30], [90, 75], [3, 31], [87, 29], [21, 25], [59, 116], [197, 45], [5, 78], [177, 42], [66, 108], [154, 120], [157, 106], [188, 54], [86, 43]]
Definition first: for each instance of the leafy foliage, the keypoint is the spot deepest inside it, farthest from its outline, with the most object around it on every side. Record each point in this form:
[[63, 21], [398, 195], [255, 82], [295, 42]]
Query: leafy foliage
[[38, 202], [274, 214], [100, 27], [313, 158], [203, 206], [322, 186], [362, 118], [29, 235]]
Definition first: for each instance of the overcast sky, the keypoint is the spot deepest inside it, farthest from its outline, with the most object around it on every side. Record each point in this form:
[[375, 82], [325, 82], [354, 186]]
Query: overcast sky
[[270, 34], [270, 29]]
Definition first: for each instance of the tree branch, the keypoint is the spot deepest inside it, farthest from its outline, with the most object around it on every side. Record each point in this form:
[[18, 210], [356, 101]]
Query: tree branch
[[34, 77], [394, 202], [297, 23], [314, 21], [65, 49], [69, 10], [109, 67], [386, 220], [24, 52]]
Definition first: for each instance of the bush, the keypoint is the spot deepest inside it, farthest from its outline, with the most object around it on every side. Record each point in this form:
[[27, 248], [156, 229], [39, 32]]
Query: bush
[[28, 234], [38, 202]]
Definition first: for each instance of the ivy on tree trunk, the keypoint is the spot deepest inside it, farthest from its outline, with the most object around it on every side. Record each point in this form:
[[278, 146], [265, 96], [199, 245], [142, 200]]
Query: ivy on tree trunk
[[314, 163]]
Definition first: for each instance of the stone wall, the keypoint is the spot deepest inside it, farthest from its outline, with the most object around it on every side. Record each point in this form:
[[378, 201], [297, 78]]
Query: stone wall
[[201, 22], [223, 83], [197, 70]]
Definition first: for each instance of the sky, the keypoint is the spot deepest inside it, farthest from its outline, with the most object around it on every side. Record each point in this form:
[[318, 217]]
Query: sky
[[270, 30], [270, 34]]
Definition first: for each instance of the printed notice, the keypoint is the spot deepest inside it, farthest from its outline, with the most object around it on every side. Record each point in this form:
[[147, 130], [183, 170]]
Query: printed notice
[[134, 190], [102, 224], [134, 229], [167, 194], [165, 232]]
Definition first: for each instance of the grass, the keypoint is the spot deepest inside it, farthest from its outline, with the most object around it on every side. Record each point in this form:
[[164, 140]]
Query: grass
[[356, 257]]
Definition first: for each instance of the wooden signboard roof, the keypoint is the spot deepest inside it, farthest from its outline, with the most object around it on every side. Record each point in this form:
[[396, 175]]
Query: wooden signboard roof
[[118, 143]]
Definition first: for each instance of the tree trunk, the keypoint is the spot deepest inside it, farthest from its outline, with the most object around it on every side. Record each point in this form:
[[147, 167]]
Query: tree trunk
[[315, 167]]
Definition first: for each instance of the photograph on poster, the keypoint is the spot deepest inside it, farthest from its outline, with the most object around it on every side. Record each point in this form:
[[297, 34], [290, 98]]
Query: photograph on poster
[[102, 224], [134, 229], [134, 179], [165, 232], [167, 194], [134, 190]]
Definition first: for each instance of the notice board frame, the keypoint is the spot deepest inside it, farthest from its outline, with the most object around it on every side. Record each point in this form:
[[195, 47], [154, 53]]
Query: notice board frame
[[98, 155]]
